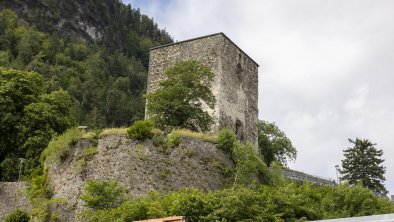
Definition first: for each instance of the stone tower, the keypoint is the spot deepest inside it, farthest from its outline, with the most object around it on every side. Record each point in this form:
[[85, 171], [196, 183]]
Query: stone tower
[[235, 83]]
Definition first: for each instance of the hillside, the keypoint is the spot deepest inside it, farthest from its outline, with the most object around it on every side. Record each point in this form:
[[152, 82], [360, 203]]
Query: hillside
[[97, 21], [95, 50], [93, 54]]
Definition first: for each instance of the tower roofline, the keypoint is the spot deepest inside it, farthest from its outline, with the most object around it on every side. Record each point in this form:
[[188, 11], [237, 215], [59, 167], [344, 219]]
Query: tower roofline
[[202, 37]]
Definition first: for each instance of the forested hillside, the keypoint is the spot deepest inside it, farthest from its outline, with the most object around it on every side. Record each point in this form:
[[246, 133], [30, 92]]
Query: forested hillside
[[93, 55], [95, 50]]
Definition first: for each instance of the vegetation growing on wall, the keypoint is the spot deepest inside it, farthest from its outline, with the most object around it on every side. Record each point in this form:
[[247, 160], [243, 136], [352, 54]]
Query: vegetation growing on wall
[[58, 147], [17, 215]]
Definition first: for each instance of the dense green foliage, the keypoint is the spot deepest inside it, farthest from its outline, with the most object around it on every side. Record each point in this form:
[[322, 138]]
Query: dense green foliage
[[287, 202], [274, 144], [108, 23], [40, 195], [225, 140], [140, 130], [248, 164], [363, 164], [17, 215], [179, 100], [103, 195], [105, 84], [29, 118]]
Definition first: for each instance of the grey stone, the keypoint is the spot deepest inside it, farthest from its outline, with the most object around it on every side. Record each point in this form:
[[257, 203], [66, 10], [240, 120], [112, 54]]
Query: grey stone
[[140, 167], [13, 195], [235, 84]]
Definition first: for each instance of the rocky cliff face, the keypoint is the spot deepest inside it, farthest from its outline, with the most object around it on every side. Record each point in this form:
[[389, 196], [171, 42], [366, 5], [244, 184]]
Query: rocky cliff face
[[139, 167], [13, 195]]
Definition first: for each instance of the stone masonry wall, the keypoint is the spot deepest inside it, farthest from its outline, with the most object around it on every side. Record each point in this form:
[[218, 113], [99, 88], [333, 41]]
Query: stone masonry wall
[[235, 84], [239, 93], [13, 195], [139, 167], [205, 50]]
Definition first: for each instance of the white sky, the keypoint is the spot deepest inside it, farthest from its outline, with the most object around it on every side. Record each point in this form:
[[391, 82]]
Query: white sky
[[326, 67]]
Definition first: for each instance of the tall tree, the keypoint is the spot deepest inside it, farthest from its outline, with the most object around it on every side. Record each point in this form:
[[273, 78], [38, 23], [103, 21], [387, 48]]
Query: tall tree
[[179, 100], [28, 119], [274, 144], [363, 164]]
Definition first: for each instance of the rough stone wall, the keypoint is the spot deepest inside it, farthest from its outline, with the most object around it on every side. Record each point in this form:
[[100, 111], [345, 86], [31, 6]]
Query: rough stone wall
[[239, 93], [13, 195], [139, 167], [235, 84], [204, 50]]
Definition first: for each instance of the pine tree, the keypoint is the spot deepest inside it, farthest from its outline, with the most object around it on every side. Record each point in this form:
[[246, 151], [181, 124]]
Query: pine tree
[[363, 164]]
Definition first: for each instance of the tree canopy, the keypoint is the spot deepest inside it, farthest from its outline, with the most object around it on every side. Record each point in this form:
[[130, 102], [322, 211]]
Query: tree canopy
[[363, 164], [29, 118], [180, 99], [105, 83], [274, 144]]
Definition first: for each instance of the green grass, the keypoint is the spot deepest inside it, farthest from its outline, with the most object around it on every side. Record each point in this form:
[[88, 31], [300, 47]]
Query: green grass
[[88, 135], [196, 135], [58, 147], [114, 131]]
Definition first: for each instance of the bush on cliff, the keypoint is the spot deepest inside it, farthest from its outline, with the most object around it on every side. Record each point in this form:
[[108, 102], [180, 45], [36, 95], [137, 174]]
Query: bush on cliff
[[103, 195], [17, 215], [226, 140], [140, 130]]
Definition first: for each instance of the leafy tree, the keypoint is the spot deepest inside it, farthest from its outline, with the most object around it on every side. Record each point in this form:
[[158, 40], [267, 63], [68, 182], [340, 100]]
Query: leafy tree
[[29, 118], [181, 96], [363, 164], [274, 144], [105, 80]]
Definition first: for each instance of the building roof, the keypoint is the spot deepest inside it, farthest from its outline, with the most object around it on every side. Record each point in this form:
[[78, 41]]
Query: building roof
[[202, 37]]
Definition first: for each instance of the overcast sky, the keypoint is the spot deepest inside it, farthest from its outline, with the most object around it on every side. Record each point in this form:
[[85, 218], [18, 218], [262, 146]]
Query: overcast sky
[[326, 67]]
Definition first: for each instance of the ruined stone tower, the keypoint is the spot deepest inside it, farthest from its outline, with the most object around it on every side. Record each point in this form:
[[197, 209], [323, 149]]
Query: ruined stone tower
[[235, 84]]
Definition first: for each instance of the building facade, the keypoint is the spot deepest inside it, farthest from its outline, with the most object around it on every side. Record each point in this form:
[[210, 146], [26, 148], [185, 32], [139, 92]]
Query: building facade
[[235, 85]]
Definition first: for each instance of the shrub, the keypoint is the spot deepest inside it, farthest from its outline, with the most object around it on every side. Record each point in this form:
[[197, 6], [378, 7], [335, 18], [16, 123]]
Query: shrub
[[226, 140], [158, 140], [17, 215], [140, 130], [173, 139], [101, 195], [9, 168], [247, 164]]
